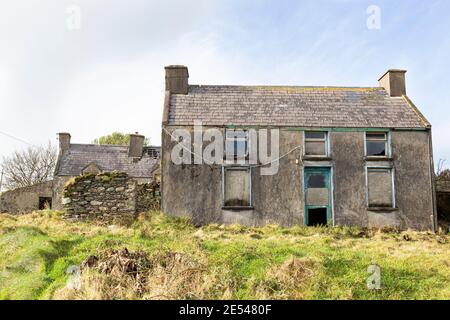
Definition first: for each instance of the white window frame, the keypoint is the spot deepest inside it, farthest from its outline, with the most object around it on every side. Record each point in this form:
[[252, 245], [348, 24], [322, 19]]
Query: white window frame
[[392, 170], [387, 143], [238, 168], [326, 140]]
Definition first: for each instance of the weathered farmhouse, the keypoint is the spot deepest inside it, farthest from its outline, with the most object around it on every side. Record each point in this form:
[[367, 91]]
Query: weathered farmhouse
[[347, 155]]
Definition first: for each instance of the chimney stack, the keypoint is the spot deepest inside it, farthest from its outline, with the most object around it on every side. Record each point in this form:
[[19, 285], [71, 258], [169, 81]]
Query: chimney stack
[[394, 82], [177, 79], [136, 145], [64, 141]]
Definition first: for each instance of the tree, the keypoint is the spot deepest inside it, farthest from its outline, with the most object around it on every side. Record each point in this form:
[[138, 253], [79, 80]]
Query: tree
[[30, 166], [117, 138], [441, 173]]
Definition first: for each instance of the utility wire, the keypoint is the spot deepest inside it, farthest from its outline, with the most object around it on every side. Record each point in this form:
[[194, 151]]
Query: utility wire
[[15, 138], [252, 166]]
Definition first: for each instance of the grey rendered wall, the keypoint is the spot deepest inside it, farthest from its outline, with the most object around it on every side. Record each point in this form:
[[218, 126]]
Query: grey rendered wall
[[413, 178], [190, 190], [347, 152], [411, 162], [279, 198], [196, 191], [25, 200], [58, 186]]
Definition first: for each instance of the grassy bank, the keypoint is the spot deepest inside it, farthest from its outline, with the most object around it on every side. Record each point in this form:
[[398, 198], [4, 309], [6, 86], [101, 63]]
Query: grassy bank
[[216, 262]]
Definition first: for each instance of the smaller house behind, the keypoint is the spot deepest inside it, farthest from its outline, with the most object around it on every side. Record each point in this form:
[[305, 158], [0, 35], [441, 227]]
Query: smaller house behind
[[139, 162]]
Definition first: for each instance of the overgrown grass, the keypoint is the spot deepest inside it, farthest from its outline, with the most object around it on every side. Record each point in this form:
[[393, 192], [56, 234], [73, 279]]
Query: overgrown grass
[[226, 262]]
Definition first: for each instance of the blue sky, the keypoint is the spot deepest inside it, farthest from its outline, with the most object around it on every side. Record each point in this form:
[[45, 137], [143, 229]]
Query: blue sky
[[108, 75]]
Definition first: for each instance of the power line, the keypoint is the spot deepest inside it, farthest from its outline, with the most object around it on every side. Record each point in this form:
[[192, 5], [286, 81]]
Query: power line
[[252, 166], [15, 138]]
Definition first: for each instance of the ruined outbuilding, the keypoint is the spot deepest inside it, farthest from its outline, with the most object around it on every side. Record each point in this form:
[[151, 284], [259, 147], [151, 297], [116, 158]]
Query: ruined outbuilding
[[27, 199], [356, 156], [139, 163]]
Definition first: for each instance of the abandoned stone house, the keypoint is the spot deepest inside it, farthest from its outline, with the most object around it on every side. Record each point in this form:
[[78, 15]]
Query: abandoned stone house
[[356, 156], [140, 163]]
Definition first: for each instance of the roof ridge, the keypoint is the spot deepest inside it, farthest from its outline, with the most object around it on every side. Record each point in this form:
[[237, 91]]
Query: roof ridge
[[98, 145], [283, 87]]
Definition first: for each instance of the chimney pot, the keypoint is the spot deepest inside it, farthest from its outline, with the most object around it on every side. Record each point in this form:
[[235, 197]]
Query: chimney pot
[[136, 145], [177, 79], [64, 141], [394, 82]]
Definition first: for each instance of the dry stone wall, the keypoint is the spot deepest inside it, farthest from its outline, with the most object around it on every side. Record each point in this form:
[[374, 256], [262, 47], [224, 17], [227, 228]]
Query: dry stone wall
[[148, 197], [103, 196]]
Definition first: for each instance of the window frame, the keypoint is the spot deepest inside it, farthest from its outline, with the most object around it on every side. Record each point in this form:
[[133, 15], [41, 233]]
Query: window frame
[[326, 139], [392, 172], [387, 144], [237, 168], [246, 139]]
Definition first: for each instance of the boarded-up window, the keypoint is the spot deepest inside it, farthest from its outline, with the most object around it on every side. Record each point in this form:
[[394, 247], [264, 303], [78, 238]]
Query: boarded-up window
[[380, 187], [237, 187], [316, 143], [376, 144], [236, 144]]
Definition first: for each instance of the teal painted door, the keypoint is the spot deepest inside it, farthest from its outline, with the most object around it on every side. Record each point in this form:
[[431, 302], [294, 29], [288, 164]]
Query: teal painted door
[[317, 196]]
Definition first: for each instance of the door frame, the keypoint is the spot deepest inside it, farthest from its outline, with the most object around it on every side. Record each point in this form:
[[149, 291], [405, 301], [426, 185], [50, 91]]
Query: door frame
[[330, 208]]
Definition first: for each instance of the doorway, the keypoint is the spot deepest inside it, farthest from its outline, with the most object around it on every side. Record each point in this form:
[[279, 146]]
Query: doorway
[[45, 203], [317, 196]]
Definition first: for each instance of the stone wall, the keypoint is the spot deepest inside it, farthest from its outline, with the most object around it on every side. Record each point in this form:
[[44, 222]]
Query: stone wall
[[108, 196], [148, 197], [26, 199], [105, 196]]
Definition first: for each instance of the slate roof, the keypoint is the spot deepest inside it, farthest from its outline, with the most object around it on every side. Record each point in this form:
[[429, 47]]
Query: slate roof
[[341, 107], [108, 158]]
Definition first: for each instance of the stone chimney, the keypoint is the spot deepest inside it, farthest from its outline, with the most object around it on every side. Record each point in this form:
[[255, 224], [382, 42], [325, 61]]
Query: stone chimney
[[394, 82], [64, 141], [177, 79], [136, 145]]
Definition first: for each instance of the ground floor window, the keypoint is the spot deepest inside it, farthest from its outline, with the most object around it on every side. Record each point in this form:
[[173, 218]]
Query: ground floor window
[[380, 187], [237, 187]]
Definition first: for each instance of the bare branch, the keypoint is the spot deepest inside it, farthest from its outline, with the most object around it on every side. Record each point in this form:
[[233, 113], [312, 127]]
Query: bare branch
[[30, 166]]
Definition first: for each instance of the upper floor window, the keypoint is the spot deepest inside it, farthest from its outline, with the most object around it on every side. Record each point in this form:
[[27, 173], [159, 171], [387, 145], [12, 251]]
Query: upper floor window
[[377, 144], [236, 144], [316, 143]]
